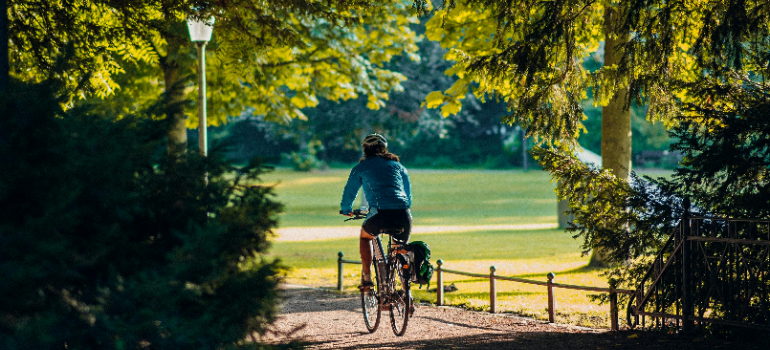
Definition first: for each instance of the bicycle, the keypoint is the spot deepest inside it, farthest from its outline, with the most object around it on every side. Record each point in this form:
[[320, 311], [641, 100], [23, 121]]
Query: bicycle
[[393, 278]]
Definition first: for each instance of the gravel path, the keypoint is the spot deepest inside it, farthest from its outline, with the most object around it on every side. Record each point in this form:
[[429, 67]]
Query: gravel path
[[329, 320]]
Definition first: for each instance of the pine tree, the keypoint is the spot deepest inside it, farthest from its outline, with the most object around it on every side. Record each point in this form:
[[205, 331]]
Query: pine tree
[[108, 243]]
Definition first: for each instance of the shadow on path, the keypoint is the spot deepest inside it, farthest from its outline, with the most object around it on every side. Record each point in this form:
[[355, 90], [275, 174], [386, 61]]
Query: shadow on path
[[460, 324], [324, 319], [559, 341]]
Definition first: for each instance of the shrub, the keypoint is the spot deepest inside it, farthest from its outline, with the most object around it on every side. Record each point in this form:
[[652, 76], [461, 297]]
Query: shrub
[[108, 243], [307, 160]]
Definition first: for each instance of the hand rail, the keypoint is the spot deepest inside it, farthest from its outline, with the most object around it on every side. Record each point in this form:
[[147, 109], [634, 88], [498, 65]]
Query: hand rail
[[493, 293]]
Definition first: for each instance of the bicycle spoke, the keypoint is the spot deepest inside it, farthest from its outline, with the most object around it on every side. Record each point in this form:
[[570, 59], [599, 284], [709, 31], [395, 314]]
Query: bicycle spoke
[[401, 300]]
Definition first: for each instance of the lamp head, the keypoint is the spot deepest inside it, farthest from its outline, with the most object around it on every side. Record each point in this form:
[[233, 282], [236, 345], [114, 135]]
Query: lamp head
[[200, 29]]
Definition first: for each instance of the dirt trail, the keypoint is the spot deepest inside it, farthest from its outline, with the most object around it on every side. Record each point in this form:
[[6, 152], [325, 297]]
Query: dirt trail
[[329, 320]]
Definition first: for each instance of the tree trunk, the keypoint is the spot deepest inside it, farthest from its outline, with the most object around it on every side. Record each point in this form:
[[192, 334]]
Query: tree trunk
[[176, 138], [616, 118]]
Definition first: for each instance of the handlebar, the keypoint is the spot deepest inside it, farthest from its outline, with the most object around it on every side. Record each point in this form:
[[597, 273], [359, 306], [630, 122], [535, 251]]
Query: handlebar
[[357, 214]]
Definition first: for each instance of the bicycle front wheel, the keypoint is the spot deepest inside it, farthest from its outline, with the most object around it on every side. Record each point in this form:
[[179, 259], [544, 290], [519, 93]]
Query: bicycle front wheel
[[401, 300], [370, 305], [371, 309]]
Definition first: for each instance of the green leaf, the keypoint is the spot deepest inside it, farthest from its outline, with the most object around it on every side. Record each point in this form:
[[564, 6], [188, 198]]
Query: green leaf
[[434, 99]]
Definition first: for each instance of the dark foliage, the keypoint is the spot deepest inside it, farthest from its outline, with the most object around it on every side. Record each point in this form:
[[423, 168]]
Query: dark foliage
[[726, 147], [107, 243]]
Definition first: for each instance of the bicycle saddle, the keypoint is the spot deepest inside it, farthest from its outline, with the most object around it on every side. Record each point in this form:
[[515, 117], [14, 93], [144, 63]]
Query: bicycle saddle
[[392, 231]]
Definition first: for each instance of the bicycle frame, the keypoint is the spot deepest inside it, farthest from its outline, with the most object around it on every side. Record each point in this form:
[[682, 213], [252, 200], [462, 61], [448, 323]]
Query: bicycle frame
[[382, 263]]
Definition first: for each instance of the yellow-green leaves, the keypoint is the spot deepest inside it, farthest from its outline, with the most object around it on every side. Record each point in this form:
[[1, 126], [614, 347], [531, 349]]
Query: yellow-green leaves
[[82, 45], [334, 62], [434, 99], [271, 57], [531, 53], [451, 107], [507, 50]]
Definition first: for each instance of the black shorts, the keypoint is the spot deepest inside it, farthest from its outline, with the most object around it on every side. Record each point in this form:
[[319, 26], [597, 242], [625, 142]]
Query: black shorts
[[390, 219]]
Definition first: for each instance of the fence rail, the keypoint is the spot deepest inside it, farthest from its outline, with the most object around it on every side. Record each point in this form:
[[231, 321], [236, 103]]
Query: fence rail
[[440, 270]]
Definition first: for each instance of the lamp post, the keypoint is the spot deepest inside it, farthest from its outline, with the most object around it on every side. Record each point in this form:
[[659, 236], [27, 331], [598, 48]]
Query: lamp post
[[200, 33]]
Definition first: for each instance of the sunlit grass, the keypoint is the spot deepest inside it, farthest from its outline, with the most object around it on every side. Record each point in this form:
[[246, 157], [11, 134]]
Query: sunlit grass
[[461, 197]]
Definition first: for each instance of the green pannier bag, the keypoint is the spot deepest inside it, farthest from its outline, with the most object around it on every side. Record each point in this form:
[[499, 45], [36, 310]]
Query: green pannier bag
[[422, 269]]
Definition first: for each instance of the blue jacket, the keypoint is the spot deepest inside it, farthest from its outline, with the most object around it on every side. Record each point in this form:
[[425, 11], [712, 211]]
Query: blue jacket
[[385, 182]]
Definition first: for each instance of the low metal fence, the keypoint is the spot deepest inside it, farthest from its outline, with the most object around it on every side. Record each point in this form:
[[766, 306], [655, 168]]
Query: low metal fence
[[440, 270]]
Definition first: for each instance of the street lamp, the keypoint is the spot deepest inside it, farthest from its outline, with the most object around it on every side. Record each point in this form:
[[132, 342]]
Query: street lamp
[[200, 33]]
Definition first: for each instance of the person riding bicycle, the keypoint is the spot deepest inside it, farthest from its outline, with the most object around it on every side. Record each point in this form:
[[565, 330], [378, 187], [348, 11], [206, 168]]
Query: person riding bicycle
[[387, 189]]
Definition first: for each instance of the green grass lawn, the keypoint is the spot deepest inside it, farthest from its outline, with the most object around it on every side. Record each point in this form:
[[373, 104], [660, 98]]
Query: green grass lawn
[[440, 197], [453, 197]]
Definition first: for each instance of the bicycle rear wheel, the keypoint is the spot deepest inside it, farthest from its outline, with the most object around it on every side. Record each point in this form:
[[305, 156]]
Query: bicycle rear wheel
[[401, 300], [370, 306]]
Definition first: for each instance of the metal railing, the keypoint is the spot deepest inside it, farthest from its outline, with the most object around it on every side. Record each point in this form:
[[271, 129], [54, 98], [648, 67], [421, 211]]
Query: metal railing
[[440, 270], [711, 270]]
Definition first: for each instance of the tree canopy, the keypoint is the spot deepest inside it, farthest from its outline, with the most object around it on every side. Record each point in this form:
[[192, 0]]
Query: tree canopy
[[530, 54], [274, 57], [421, 136]]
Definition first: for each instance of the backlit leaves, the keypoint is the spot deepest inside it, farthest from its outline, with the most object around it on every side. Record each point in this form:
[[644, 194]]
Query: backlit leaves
[[335, 63], [530, 53], [274, 57]]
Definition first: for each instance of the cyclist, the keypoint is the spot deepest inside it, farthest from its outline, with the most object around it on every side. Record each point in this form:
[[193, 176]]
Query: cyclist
[[388, 191]]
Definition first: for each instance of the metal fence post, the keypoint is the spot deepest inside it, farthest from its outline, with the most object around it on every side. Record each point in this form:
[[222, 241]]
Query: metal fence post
[[439, 283], [687, 323], [339, 271], [550, 276], [492, 290]]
